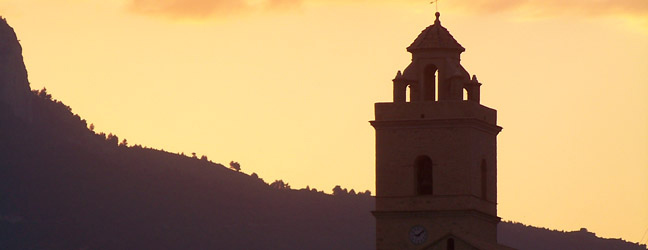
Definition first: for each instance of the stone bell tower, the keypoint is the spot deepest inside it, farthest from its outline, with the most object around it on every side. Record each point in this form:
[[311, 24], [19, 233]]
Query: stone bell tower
[[436, 154]]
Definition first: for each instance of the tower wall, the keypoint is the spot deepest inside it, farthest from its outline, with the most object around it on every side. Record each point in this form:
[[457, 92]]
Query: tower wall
[[459, 137]]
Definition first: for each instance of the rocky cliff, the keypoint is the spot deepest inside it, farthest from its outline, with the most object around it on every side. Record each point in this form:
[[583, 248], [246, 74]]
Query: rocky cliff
[[14, 86]]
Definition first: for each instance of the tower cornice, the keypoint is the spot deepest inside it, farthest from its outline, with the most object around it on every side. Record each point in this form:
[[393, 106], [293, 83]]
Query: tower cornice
[[432, 123], [446, 110]]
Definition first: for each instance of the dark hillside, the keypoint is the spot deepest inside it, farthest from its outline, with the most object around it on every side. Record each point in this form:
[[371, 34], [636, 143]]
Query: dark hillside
[[532, 238], [64, 187], [66, 190]]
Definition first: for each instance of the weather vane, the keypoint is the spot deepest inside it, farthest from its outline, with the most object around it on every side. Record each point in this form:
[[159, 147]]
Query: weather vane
[[436, 4]]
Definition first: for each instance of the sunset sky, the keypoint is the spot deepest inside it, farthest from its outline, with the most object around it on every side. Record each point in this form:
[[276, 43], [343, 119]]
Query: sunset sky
[[287, 87]]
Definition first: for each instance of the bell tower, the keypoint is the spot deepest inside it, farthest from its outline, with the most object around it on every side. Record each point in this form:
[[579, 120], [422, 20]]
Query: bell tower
[[436, 154]]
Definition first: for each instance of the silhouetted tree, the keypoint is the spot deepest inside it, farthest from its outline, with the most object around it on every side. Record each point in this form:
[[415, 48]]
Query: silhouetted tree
[[203, 158], [113, 139], [43, 94], [254, 175], [337, 190], [91, 127], [365, 193], [193, 155], [235, 165], [280, 184], [124, 143]]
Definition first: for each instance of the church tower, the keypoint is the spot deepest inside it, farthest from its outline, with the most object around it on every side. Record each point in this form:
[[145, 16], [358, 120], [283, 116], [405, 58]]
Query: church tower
[[436, 154]]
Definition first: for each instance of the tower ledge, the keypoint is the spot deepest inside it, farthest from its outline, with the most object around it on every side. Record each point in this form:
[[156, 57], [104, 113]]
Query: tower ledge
[[392, 111]]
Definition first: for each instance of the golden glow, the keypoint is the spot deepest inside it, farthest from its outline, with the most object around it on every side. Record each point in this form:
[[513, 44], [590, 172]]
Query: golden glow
[[288, 93]]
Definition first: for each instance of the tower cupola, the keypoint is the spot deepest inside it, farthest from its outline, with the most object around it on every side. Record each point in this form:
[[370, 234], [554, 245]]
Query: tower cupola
[[435, 73]]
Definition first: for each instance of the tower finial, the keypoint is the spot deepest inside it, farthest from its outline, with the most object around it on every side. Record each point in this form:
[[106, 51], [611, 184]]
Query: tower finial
[[436, 7], [437, 14]]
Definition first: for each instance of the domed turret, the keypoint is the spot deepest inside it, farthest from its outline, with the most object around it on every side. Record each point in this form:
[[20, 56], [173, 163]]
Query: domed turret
[[435, 73]]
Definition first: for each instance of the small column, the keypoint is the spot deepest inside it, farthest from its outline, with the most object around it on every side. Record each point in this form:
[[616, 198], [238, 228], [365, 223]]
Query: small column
[[400, 88], [474, 90]]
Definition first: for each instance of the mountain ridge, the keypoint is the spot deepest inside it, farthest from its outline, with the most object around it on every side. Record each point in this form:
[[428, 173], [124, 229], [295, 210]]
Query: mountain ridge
[[14, 87]]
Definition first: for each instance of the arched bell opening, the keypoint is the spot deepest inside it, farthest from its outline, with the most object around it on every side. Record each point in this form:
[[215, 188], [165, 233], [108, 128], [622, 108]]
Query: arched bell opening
[[408, 94], [430, 83]]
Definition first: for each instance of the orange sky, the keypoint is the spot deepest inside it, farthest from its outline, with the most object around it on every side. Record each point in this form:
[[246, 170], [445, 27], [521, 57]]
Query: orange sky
[[286, 88]]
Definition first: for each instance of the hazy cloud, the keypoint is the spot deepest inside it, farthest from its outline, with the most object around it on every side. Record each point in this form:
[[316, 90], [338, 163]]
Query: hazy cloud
[[638, 8], [539, 8], [207, 8], [283, 4]]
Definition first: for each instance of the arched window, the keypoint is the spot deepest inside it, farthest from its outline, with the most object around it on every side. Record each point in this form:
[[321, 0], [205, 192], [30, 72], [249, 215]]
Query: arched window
[[450, 244], [484, 179], [424, 174], [429, 83]]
